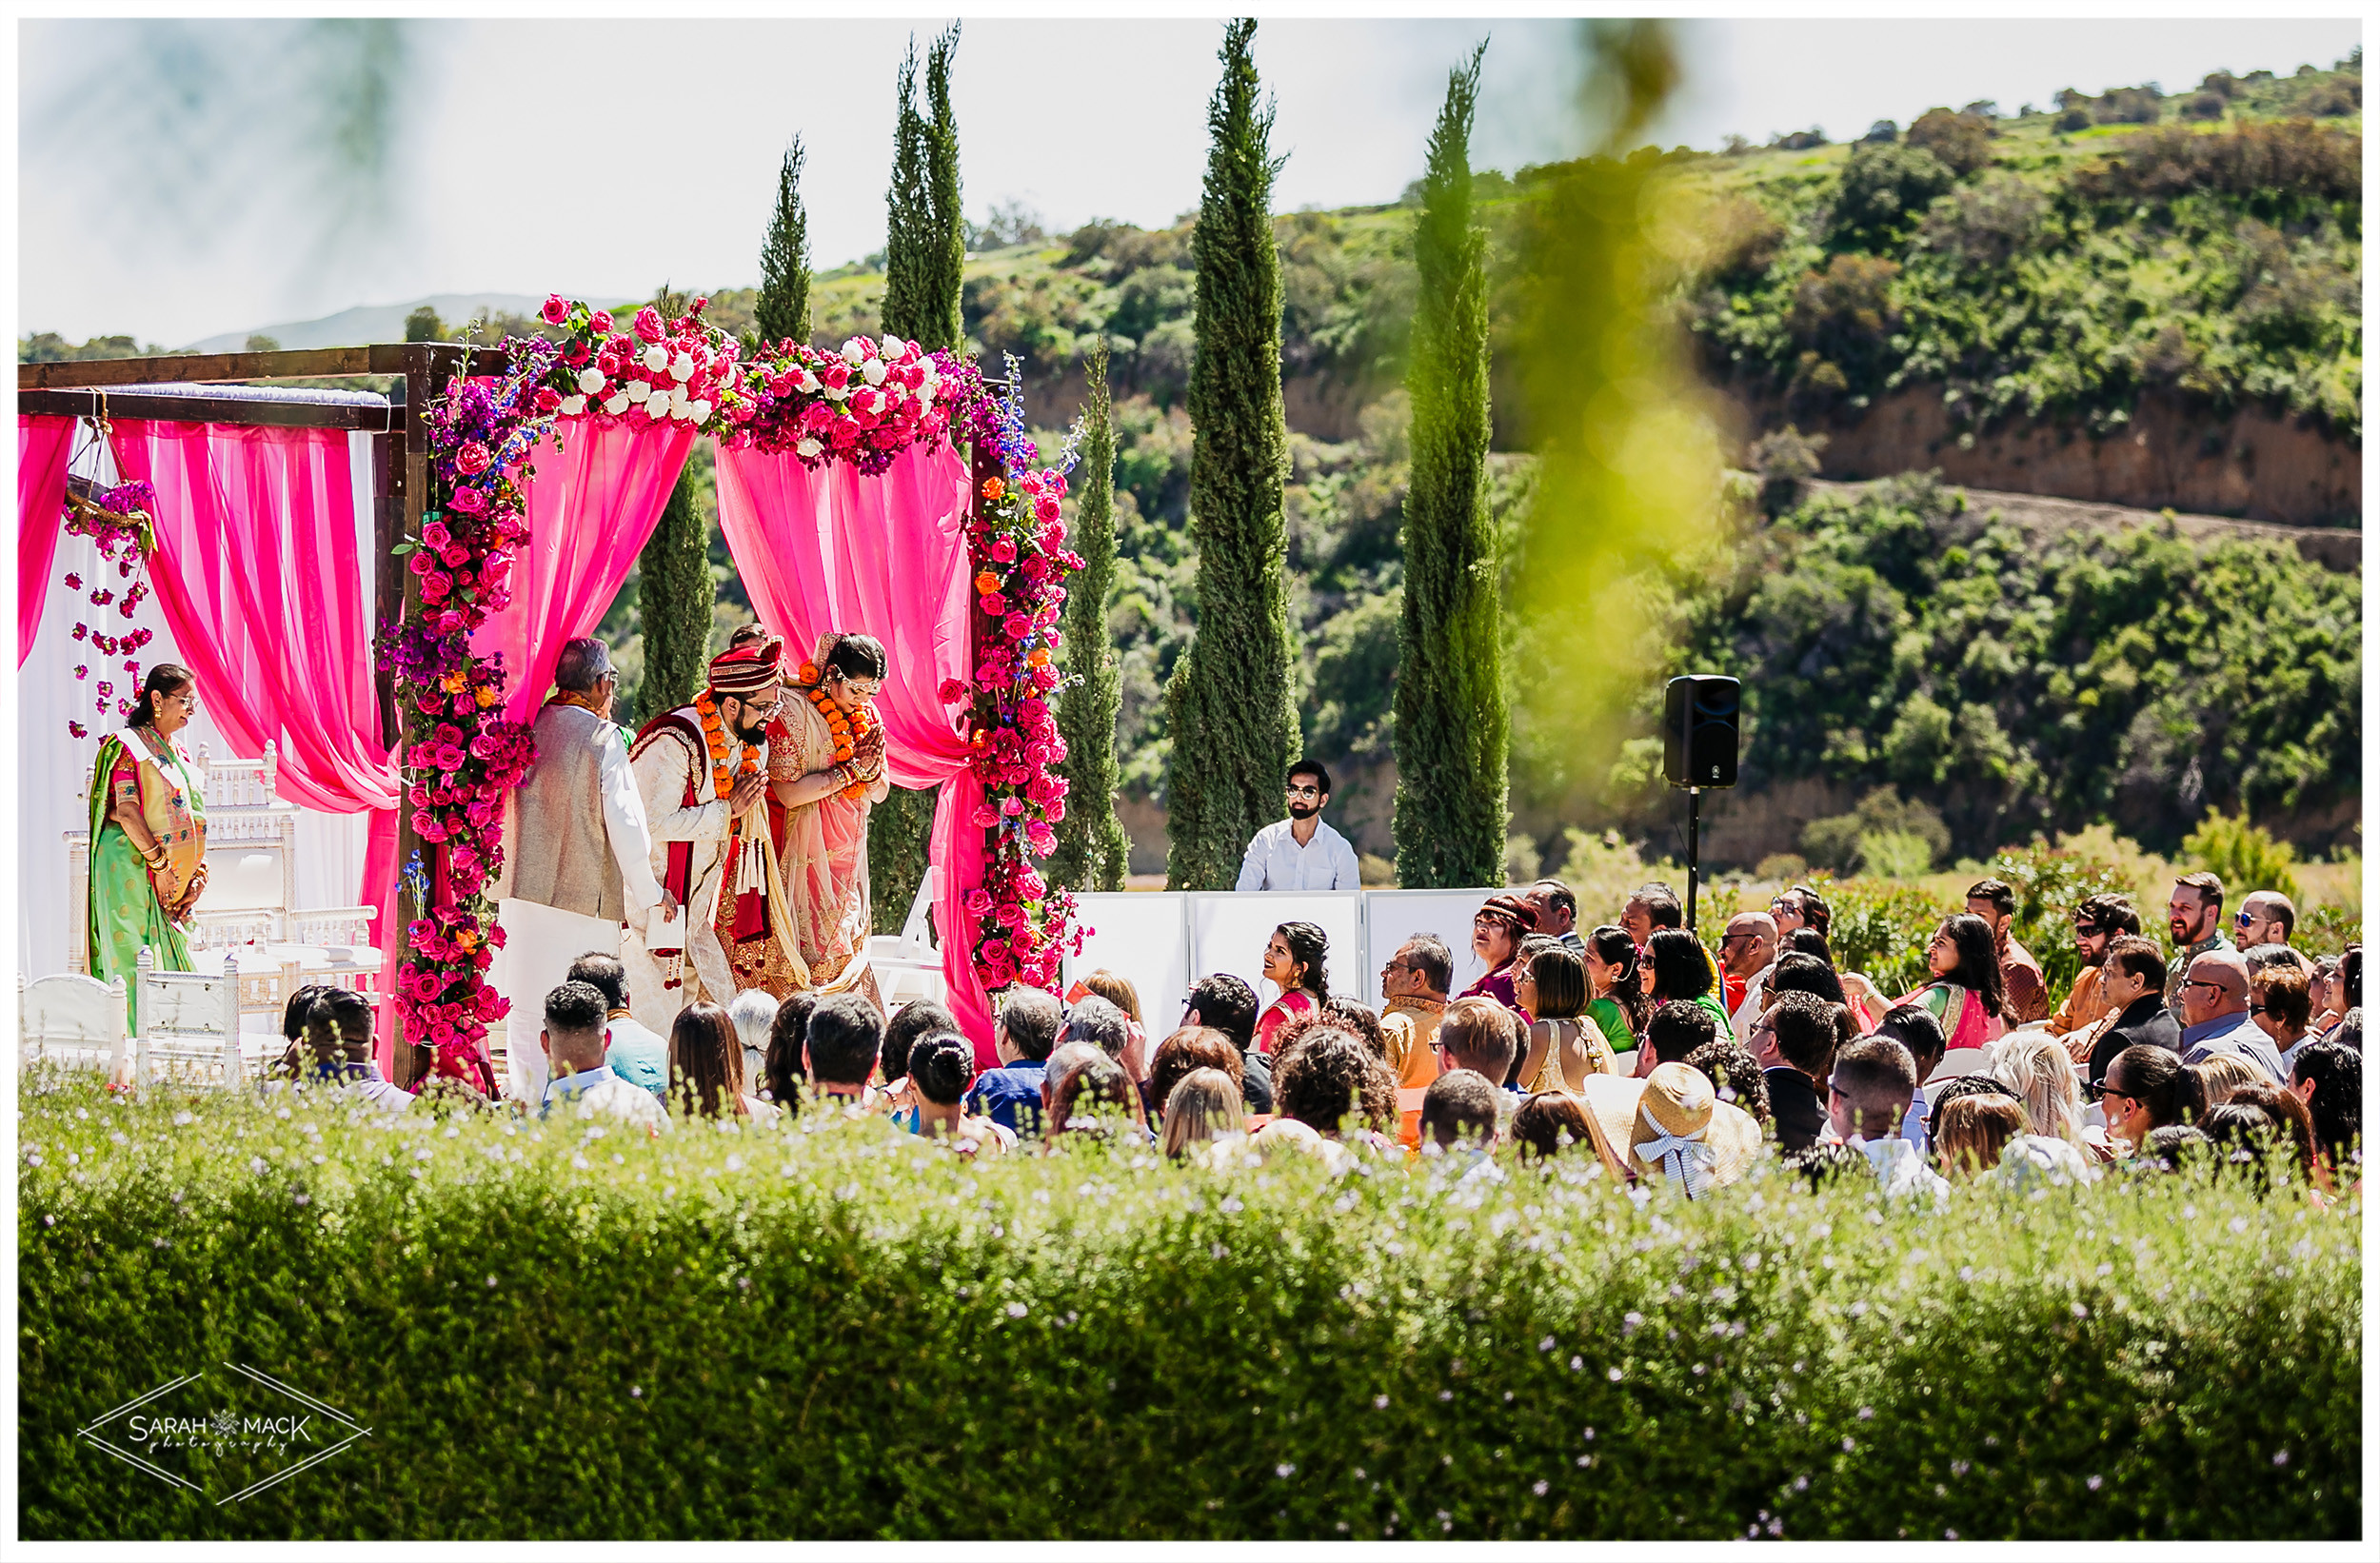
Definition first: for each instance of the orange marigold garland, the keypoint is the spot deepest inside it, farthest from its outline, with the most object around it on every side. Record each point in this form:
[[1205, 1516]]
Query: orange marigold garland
[[847, 730], [724, 774]]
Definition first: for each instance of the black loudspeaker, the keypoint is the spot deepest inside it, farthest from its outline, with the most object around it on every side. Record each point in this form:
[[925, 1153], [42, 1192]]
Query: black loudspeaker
[[1698, 730]]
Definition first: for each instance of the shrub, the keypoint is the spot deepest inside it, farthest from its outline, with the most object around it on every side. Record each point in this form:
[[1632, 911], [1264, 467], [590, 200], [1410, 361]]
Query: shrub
[[1846, 314], [2244, 856], [1916, 834], [2204, 105], [1880, 927], [2328, 930], [2049, 882], [2285, 161], [2129, 105], [1739, 240], [1963, 142], [840, 1331], [1886, 188], [2074, 119], [1985, 224], [1786, 460]]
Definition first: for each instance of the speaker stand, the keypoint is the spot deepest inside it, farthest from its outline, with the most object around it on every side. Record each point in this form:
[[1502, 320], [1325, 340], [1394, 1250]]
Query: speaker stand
[[1694, 855]]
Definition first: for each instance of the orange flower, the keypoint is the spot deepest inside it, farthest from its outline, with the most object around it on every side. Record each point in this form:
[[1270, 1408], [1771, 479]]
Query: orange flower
[[1037, 656], [452, 684], [485, 696], [994, 488], [808, 672], [987, 581]]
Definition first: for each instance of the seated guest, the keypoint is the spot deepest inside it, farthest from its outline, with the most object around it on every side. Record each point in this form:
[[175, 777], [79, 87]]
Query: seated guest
[[580, 1083], [706, 1066], [1483, 1036], [1915, 1027], [941, 1064], [1497, 931], [1462, 1107], [2036, 1067], [1795, 1041], [1557, 908], [1226, 1003], [1670, 1127], [840, 1045], [2130, 979], [1094, 1021], [1619, 1006], [786, 1066], [916, 1018], [2215, 1018], [1023, 1033], [2146, 1088], [1086, 1096], [1971, 1131], [2219, 1076], [1796, 972], [2165, 1149], [1679, 1027], [1415, 980], [1746, 951], [1120, 992], [2099, 921], [1868, 1093], [1735, 1075], [634, 1052], [1550, 1123], [1295, 960], [1682, 973], [1203, 1106], [2025, 993], [1333, 1083], [1184, 1053], [753, 1013], [1564, 1045], [2280, 1002], [339, 1051], [1964, 993], [1358, 1019], [293, 1060], [1652, 907], [2330, 1078], [2243, 1137], [2286, 1108]]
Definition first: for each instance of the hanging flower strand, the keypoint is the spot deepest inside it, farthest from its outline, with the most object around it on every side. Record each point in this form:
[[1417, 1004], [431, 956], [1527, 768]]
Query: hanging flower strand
[[117, 519]]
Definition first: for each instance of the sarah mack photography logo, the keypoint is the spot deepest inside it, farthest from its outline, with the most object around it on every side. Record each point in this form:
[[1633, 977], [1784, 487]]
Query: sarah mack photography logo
[[225, 1439]]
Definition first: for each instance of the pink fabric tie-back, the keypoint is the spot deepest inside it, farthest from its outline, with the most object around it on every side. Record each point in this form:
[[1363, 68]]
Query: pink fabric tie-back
[[833, 549], [44, 446], [260, 575], [592, 504]]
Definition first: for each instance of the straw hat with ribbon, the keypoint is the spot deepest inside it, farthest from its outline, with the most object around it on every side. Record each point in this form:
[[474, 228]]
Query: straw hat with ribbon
[[1672, 1125]]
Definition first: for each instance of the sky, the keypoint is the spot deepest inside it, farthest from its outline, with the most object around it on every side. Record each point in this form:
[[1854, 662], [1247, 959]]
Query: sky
[[180, 179]]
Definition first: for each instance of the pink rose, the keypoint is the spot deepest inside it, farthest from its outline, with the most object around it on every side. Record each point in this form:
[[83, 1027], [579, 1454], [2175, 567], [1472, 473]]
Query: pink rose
[[548, 399], [473, 458], [557, 309], [1013, 807], [454, 555], [435, 587], [835, 375], [649, 325], [986, 817], [1054, 810], [1031, 885], [435, 535], [978, 902], [1004, 549], [600, 321], [993, 605], [951, 689], [1015, 625], [577, 354], [468, 501], [1042, 840]]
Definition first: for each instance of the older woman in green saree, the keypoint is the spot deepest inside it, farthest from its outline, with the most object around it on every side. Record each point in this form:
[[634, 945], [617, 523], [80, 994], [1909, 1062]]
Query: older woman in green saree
[[147, 835]]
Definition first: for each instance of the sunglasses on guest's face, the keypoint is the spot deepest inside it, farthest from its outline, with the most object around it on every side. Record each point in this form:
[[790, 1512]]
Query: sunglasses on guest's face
[[2202, 982]]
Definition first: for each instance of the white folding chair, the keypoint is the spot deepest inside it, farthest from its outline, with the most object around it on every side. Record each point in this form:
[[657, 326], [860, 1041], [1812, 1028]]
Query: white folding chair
[[189, 1026], [907, 965], [71, 1020]]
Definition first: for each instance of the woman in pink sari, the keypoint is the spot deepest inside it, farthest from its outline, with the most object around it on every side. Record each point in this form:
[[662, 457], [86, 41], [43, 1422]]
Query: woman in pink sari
[[1965, 995], [827, 771], [1294, 957]]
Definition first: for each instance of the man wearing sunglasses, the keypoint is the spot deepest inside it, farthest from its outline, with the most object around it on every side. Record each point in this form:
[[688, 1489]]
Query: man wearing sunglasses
[[1301, 852], [2215, 1018]]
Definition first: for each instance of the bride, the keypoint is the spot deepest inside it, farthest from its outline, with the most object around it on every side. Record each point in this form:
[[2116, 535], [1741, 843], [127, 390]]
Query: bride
[[825, 772]]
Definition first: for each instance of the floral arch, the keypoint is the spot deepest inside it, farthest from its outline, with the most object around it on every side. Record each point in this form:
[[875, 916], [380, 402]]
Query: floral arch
[[800, 417]]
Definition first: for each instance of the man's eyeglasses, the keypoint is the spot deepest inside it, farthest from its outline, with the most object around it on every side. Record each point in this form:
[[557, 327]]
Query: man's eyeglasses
[[2246, 919], [1725, 939], [2202, 982], [1306, 791]]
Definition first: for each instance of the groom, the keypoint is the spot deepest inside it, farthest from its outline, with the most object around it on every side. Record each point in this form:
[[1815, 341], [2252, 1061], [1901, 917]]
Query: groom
[[678, 760]]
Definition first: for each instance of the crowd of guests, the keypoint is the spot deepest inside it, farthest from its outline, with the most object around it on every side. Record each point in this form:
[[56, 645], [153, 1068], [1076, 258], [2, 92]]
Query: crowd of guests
[[1629, 1042]]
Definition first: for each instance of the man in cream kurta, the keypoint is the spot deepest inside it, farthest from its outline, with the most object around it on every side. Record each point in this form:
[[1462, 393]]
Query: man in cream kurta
[[691, 826], [582, 855]]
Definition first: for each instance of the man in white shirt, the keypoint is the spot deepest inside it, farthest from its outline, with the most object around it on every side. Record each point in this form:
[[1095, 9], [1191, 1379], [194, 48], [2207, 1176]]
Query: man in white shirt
[[582, 1085], [1301, 853], [1873, 1082]]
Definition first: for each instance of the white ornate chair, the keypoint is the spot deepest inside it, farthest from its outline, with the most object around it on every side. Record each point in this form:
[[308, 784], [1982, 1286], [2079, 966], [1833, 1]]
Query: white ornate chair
[[189, 1029], [74, 1020]]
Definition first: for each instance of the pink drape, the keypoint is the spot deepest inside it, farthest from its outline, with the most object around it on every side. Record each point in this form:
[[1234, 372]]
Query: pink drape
[[44, 446], [592, 505], [259, 572], [832, 549]]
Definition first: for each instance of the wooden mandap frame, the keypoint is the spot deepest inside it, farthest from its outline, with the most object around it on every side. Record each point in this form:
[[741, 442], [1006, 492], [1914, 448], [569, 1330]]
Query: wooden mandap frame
[[400, 475]]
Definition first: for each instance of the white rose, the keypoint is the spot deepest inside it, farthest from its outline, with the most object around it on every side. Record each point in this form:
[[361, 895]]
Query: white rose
[[574, 405], [893, 345], [698, 412], [808, 449], [809, 382], [682, 367], [638, 390], [590, 380], [873, 371], [836, 393], [657, 358], [618, 405], [678, 400], [854, 352]]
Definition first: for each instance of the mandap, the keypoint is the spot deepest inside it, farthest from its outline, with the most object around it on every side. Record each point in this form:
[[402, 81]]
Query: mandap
[[513, 489]]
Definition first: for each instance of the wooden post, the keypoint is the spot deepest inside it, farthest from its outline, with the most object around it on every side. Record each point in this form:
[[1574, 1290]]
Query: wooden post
[[408, 471]]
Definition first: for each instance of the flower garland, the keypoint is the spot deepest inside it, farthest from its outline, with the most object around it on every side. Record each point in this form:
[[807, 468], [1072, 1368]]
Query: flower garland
[[864, 404], [725, 772], [117, 519], [1016, 538], [462, 757]]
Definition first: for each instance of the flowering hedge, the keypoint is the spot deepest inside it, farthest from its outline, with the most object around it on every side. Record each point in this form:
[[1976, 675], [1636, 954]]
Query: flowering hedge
[[843, 1332]]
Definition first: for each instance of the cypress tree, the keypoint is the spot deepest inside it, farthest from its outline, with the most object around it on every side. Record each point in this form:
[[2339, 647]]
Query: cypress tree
[[1453, 729], [673, 600], [1229, 703], [1092, 848], [924, 257], [784, 308]]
